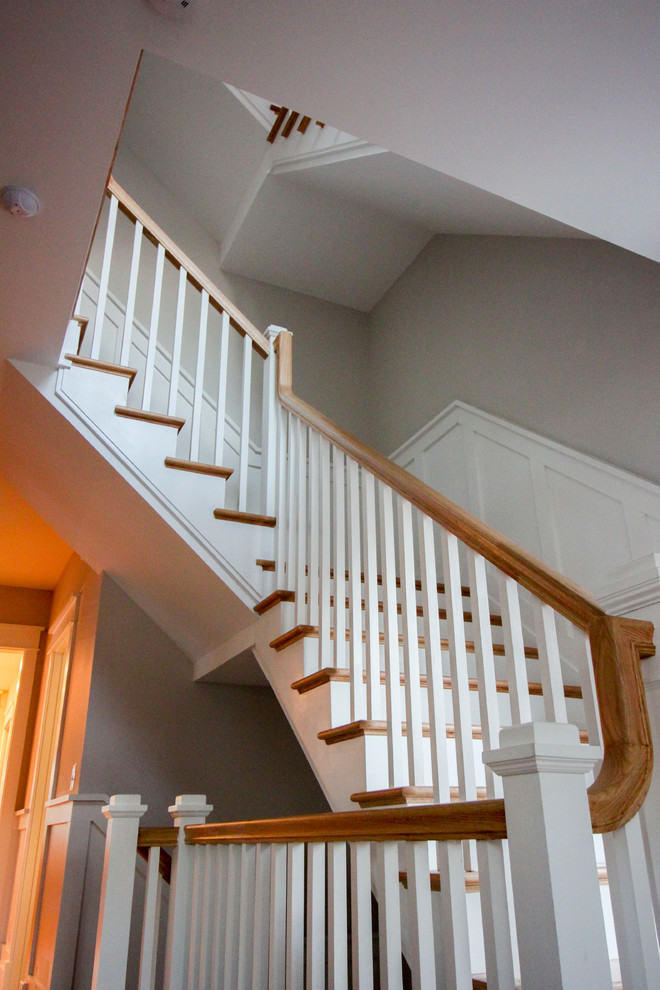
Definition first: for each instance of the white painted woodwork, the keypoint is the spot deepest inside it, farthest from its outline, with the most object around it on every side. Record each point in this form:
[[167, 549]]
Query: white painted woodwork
[[315, 927], [337, 917], [579, 514], [300, 525], [153, 329], [389, 915], [452, 938], [123, 813], [553, 864], [295, 916], [232, 923], [313, 569], [269, 428], [632, 906], [219, 921], [551, 675], [246, 926], [361, 945], [283, 578], [395, 752], [246, 392], [358, 692], [196, 419], [260, 941], [496, 915], [420, 917], [150, 922], [175, 369], [339, 611], [127, 335], [325, 558], [277, 952], [221, 406], [105, 277], [188, 809], [516, 663], [375, 708], [411, 669]]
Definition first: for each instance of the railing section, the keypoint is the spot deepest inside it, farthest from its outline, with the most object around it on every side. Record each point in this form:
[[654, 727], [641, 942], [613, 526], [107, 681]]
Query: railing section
[[196, 356]]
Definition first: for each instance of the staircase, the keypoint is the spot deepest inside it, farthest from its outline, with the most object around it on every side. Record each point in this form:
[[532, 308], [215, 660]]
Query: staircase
[[399, 634]]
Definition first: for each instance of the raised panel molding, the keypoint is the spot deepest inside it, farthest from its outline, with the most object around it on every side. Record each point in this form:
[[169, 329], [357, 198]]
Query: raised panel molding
[[583, 516]]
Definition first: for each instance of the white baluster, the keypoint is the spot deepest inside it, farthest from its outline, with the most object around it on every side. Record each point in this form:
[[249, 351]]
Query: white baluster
[[315, 968], [395, 755], [337, 917], [261, 919], [389, 915], [516, 664], [232, 929], [278, 911], [111, 958], [221, 417], [127, 334], [411, 671], [151, 921], [325, 564], [420, 916], [450, 919], [313, 530], [188, 809], [340, 558], [175, 370], [434, 672], [588, 686], [295, 916], [196, 916], [104, 279], [358, 694], [198, 394], [460, 688], [292, 505], [220, 916], [301, 525], [209, 868], [632, 907], [153, 329], [246, 916], [269, 427], [245, 424], [554, 701], [361, 939], [496, 911], [372, 637]]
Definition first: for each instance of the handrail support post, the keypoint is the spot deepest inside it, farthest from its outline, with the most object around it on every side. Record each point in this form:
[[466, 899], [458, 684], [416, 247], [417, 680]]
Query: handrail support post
[[561, 932]]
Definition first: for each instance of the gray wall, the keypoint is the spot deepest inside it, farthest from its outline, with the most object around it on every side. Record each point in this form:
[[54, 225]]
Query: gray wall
[[559, 336], [151, 730]]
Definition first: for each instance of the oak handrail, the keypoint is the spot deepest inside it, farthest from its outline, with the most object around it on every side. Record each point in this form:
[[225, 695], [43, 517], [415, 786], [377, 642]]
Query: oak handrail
[[617, 644], [135, 212]]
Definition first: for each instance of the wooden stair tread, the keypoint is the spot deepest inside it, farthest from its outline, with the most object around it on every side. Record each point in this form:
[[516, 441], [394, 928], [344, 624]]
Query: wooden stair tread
[[396, 796], [265, 565], [151, 417], [198, 467], [273, 599], [377, 727], [251, 518], [465, 590], [93, 364], [531, 652], [343, 674], [472, 881]]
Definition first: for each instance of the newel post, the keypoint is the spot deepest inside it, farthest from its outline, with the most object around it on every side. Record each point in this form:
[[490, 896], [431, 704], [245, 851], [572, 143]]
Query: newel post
[[111, 956], [188, 809], [269, 428], [561, 932]]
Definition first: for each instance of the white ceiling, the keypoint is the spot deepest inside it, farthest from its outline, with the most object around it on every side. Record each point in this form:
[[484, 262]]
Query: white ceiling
[[342, 231]]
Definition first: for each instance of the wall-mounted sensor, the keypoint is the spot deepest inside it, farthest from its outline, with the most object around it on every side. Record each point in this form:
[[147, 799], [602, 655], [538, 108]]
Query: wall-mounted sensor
[[19, 201]]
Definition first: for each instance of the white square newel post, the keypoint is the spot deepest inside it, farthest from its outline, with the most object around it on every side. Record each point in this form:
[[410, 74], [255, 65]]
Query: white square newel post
[[111, 957], [188, 809], [561, 931]]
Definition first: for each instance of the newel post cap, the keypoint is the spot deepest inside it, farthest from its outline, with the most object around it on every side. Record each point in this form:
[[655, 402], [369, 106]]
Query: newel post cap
[[541, 747], [274, 331], [189, 809], [124, 806]]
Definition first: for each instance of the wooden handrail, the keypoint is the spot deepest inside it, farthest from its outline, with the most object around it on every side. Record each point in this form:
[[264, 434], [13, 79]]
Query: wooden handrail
[[135, 212], [617, 644]]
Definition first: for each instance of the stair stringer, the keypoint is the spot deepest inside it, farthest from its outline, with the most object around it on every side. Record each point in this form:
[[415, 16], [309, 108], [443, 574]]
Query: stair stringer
[[137, 451]]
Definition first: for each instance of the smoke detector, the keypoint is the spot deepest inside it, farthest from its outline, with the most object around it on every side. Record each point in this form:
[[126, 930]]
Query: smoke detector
[[19, 201], [172, 8]]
